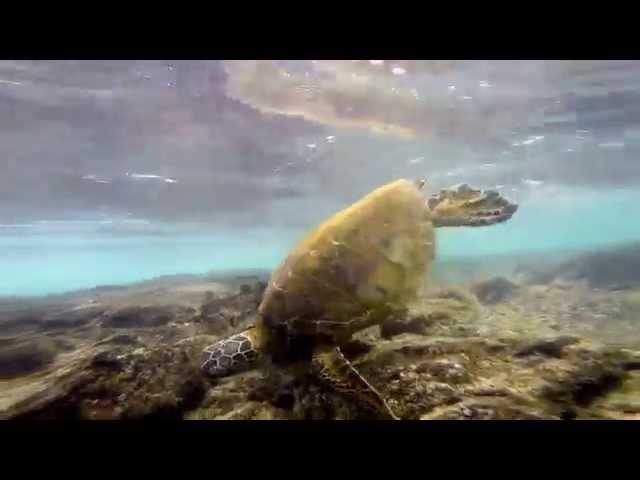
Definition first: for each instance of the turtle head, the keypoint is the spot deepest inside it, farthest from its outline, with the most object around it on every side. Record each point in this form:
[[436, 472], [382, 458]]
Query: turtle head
[[234, 354], [462, 205]]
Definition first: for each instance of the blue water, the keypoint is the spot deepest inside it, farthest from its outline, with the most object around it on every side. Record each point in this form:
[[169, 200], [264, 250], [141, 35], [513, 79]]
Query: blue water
[[45, 264], [40, 264], [553, 220]]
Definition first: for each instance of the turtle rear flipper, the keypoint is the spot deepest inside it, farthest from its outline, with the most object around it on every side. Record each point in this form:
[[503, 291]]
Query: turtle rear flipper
[[333, 368]]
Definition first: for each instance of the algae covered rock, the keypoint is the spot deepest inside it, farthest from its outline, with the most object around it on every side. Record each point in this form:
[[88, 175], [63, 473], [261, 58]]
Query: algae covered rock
[[120, 339], [71, 318], [24, 356], [622, 403], [220, 315], [630, 310], [448, 311], [423, 377], [550, 347], [447, 357], [487, 409], [418, 324], [582, 385], [495, 290], [149, 316], [613, 269], [113, 382]]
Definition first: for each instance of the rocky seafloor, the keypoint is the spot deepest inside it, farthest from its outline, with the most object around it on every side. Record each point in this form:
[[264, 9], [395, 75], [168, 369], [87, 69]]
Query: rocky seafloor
[[544, 347]]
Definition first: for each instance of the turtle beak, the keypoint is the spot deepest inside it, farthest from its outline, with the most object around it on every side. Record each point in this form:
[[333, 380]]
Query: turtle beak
[[492, 217]]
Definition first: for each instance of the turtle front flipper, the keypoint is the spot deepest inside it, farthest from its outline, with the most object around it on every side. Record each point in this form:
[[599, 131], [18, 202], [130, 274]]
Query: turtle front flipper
[[234, 354], [463, 206], [333, 368]]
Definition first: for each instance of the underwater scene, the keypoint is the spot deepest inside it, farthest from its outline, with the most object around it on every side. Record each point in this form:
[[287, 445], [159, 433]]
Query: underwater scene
[[319, 239]]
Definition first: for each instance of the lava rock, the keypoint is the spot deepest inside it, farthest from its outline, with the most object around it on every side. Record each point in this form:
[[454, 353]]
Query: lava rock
[[71, 318], [393, 327], [494, 290], [122, 339], [260, 287], [614, 269], [355, 348], [444, 370], [284, 399], [584, 384], [487, 409], [162, 383], [631, 365], [22, 357], [552, 347], [110, 359], [220, 315], [15, 325], [152, 316]]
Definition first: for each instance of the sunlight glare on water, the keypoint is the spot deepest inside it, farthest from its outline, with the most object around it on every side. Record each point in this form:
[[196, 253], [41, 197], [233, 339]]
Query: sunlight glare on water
[[256, 153]]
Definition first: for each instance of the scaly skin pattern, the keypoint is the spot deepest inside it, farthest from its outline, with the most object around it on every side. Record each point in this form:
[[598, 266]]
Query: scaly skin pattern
[[463, 206], [336, 371], [233, 354]]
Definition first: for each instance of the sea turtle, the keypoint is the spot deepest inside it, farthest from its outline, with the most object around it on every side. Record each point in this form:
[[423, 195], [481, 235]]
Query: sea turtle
[[353, 271]]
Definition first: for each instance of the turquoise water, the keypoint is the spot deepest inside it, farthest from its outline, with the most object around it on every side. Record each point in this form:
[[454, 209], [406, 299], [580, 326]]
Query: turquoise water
[[40, 265], [56, 262], [553, 220]]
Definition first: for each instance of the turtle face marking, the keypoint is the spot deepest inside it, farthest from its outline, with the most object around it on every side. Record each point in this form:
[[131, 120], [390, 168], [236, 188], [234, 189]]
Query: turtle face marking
[[230, 355], [462, 205]]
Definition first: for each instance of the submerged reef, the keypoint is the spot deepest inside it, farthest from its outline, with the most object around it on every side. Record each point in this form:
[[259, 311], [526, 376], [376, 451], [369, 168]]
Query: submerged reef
[[611, 269], [489, 350]]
